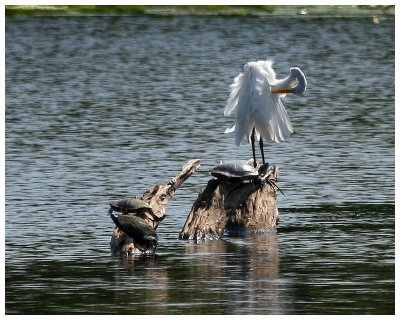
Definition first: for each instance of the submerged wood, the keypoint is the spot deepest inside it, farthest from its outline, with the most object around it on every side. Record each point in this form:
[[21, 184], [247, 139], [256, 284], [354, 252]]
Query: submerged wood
[[235, 208], [158, 197]]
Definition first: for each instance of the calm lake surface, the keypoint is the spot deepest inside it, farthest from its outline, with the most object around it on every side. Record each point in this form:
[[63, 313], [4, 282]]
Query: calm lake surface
[[101, 108]]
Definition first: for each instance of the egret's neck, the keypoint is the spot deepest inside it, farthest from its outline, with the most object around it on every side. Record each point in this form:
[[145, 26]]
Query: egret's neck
[[284, 84], [295, 83]]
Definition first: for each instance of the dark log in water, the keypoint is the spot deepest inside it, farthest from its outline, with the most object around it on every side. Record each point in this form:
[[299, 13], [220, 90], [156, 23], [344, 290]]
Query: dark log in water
[[158, 197], [233, 207]]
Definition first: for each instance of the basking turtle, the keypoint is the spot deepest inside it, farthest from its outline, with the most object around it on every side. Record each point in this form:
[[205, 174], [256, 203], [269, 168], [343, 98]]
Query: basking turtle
[[130, 206], [237, 173], [144, 236], [137, 207]]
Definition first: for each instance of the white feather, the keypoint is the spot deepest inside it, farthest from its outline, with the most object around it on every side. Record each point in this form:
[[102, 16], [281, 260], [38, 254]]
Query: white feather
[[256, 106]]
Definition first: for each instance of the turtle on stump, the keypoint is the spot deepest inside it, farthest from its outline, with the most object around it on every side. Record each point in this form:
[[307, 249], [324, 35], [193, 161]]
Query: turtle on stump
[[144, 236]]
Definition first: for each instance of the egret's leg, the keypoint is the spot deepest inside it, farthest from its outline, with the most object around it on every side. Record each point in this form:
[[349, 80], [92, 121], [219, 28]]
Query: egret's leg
[[253, 134], [262, 150]]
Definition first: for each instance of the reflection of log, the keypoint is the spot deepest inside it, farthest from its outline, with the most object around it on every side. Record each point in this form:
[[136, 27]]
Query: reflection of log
[[158, 197], [234, 208]]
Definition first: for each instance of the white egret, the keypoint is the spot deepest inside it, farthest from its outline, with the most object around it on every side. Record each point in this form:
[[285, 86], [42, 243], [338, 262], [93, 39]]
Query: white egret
[[255, 97]]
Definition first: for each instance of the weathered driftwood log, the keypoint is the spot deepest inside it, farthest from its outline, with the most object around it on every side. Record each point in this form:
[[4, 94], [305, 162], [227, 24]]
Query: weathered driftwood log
[[157, 197], [239, 207]]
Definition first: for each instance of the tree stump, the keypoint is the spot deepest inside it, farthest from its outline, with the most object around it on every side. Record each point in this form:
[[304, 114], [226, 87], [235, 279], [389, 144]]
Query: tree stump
[[158, 197], [235, 208]]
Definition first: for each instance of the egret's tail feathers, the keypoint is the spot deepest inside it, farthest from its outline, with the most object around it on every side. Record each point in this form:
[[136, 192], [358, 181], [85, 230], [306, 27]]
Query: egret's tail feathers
[[240, 137], [280, 125], [243, 130]]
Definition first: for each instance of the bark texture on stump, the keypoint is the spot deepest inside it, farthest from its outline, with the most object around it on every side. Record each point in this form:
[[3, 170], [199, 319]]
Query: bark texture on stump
[[236, 208], [158, 197]]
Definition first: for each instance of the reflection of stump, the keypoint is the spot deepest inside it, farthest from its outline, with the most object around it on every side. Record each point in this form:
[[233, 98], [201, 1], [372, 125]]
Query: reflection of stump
[[158, 197], [240, 207]]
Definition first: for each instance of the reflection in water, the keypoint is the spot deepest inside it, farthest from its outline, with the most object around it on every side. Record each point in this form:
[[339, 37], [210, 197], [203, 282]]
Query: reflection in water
[[145, 280], [101, 108], [248, 269], [313, 265], [260, 269]]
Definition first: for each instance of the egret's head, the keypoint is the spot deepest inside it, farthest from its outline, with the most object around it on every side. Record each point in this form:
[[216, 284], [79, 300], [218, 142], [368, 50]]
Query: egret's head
[[298, 78], [295, 83]]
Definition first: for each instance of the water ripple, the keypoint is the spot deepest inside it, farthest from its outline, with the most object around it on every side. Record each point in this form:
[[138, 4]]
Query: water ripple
[[99, 108]]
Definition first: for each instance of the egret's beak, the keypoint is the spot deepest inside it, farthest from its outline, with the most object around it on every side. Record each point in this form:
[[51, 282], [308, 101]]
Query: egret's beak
[[282, 91]]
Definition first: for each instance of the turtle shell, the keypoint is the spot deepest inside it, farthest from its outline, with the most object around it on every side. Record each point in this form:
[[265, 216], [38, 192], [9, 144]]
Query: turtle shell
[[234, 172], [135, 227], [132, 205]]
